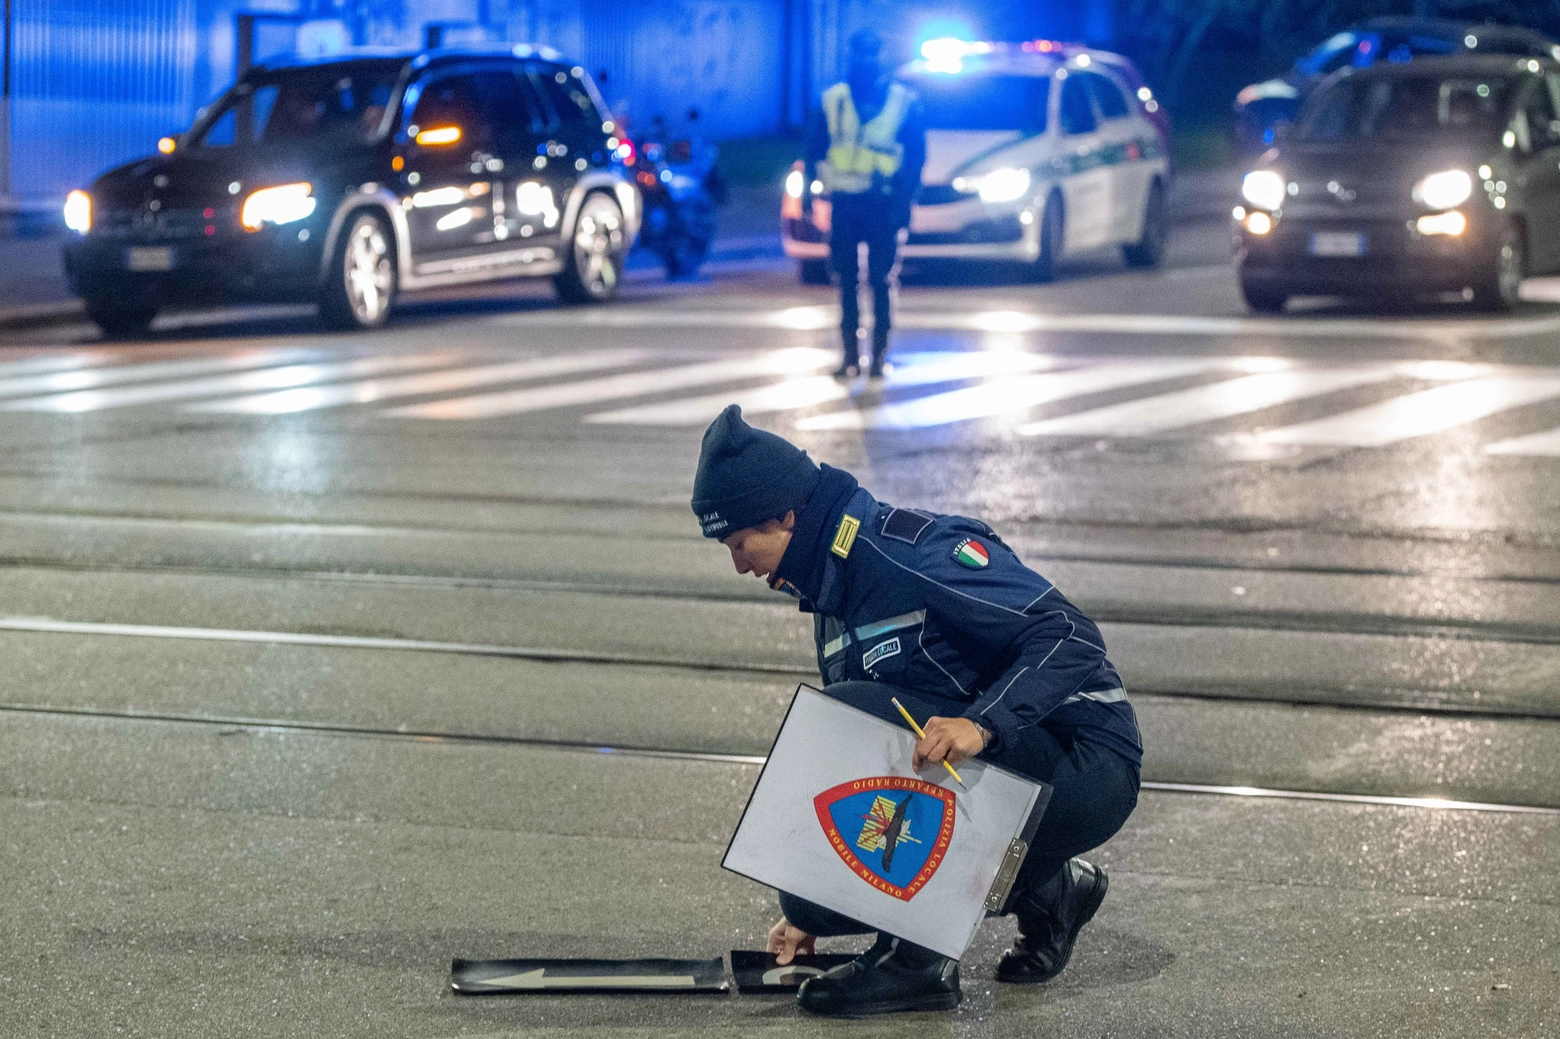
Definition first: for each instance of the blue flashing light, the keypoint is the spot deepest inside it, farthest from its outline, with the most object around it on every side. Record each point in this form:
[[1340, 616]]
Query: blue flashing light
[[1268, 136]]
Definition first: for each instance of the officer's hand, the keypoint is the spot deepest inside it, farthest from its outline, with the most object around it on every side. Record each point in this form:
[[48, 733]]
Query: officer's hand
[[948, 739], [786, 942]]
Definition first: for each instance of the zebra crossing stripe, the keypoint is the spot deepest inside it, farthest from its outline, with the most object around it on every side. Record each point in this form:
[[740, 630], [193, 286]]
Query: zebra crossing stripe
[[113, 374], [792, 361], [910, 369], [1418, 414], [1220, 400], [369, 391], [1546, 443], [264, 378], [1001, 396], [789, 395]]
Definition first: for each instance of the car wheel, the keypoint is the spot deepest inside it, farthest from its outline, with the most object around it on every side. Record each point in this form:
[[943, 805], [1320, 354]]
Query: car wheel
[[1264, 299], [1053, 226], [1149, 250], [120, 320], [361, 285], [813, 272], [1502, 287], [593, 269]]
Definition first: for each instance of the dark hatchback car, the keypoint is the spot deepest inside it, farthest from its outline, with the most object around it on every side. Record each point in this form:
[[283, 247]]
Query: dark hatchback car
[[1438, 176], [347, 181], [1263, 109]]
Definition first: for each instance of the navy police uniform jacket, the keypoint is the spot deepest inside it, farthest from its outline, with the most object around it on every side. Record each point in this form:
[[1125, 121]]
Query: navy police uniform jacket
[[938, 604]]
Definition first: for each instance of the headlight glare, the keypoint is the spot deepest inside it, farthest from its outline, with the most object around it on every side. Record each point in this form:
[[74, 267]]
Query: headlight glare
[[1444, 190], [78, 212], [1003, 185], [283, 204], [1263, 189]]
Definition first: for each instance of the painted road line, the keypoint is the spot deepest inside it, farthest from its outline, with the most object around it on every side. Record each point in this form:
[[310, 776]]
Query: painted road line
[[313, 398], [790, 395], [1419, 414], [793, 361], [815, 318], [1361, 799], [1006, 395], [114, 374], [910, 369], [261, 379], [1220, 400], [1545, 444], [54, 363], [304, 638]]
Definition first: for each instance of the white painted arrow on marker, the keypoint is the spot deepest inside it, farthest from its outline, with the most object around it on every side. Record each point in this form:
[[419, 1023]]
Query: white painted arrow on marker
[[538, 979]]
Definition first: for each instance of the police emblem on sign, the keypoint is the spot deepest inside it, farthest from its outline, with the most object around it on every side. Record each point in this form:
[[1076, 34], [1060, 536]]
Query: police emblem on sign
[[892, 831]]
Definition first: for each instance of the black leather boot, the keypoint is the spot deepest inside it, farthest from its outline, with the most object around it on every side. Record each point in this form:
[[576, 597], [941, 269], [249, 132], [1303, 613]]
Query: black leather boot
[[890, 977], [851, 364], [879, 352], [1049, 919]]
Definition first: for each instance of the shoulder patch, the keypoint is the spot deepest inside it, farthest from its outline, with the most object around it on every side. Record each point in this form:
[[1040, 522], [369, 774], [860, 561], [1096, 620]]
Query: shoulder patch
[[905, 525], [971, 553], [845, 536]]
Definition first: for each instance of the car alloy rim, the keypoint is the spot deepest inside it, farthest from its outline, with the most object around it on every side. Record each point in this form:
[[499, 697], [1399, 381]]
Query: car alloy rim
[[368, 271], [597, 242]]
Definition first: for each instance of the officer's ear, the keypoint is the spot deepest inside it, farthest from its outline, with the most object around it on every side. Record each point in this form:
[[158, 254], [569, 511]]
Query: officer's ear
[[788, 521]]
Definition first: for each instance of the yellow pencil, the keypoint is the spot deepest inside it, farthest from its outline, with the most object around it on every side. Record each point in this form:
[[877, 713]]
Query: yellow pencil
[[922, 734]]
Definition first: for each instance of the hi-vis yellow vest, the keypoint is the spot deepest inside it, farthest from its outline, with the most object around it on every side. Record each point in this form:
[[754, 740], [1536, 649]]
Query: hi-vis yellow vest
[[859, 154]]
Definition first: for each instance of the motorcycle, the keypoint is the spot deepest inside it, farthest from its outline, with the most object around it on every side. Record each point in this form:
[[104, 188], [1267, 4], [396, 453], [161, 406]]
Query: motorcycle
[[681, 186]]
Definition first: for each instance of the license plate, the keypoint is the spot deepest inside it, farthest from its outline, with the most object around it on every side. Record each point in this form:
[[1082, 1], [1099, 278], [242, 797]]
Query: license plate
[[149, 258], [1337, 243]]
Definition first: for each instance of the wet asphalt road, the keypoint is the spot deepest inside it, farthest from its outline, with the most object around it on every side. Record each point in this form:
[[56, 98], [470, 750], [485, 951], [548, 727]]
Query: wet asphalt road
[[313, 643]]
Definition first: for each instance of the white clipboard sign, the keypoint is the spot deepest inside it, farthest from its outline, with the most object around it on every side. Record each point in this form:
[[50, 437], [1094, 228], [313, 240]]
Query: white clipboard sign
[[838, 817]]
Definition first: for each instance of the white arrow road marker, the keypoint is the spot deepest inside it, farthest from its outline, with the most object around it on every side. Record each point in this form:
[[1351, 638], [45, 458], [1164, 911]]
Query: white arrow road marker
[[312, 398], [794, 361], [539, 979]]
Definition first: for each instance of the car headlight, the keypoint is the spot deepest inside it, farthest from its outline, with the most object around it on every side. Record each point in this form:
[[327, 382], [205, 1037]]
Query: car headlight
[[1263, 189], [1444, 190], [1003, 185], [78, 212], [279, 205], [793, 184]]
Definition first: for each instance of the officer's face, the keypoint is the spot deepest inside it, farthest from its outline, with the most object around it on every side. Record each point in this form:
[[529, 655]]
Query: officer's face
[[757, 550]]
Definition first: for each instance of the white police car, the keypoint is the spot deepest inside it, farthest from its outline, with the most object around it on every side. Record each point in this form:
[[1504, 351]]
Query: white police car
[[1036, 151]]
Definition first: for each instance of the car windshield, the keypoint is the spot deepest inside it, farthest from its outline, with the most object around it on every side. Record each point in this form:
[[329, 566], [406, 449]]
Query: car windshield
[[984, 102], [1391, 107], [327, 107]]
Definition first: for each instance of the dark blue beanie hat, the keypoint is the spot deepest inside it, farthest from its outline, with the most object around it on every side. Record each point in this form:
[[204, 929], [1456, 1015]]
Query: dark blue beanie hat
[[748, 476]]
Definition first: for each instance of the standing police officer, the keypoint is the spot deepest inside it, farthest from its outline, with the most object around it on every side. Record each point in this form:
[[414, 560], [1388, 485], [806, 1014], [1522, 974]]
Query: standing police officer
[[937, 611], [870, 135]]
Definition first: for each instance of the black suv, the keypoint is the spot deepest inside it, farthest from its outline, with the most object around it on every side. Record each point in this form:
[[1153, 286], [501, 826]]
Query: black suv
[[346, 181]]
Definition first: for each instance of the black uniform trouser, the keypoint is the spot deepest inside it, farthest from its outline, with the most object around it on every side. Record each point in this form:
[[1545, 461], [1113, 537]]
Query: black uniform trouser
[[855, 219], [1094, 791]]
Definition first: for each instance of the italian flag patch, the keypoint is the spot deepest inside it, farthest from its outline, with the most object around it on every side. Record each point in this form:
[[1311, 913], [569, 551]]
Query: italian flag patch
[[972, 554]]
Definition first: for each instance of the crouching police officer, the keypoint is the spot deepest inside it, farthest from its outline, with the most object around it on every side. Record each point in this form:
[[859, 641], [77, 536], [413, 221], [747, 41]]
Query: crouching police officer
[[937, 611], [870, 135]]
